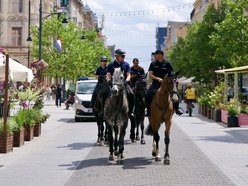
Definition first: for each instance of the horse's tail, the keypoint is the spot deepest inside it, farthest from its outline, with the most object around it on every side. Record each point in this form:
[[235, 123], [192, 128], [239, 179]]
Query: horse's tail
[[148, 130]]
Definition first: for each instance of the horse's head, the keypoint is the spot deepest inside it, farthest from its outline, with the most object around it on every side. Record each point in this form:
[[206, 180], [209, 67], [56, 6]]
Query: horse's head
[[171, 81], [118, 81], [140, 85]]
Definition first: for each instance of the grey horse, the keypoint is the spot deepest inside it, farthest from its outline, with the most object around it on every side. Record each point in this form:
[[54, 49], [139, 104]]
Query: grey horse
[[116, 115]]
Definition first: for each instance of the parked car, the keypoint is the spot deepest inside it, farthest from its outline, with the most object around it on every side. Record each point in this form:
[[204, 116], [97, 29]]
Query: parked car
[[83, 94]]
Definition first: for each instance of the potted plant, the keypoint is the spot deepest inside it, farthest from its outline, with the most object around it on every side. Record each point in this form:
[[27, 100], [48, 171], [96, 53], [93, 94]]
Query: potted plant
[[243, 116], [19, 131], [233, 109], [8, 147]]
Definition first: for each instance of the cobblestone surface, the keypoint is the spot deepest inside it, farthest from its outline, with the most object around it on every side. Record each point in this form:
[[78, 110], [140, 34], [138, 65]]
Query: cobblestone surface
[[189, 166]]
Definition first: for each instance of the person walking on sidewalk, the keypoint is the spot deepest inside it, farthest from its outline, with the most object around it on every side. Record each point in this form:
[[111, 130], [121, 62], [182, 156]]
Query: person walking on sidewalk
[[157, 70], [58, 92]]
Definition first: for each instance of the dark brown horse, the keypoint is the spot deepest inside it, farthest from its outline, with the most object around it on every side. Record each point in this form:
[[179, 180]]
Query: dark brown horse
[[162, 111], [98, 109]]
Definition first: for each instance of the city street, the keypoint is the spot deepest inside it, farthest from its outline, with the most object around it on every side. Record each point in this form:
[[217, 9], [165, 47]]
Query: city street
[[202, 152]]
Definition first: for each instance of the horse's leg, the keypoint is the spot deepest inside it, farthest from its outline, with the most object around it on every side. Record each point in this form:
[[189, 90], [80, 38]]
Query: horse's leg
[[156, 149], [142, 141], [137, 121], [106, 137], [111, 149], [101, 130], [121, 141], [98, 128], [167, 142], [132, 130], [116, 140]]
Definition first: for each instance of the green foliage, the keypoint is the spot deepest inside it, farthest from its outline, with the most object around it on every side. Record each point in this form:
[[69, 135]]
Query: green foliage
[[219, 41], [233, 107], [11, 125], [79, 57], [244, 110], [27, 117]]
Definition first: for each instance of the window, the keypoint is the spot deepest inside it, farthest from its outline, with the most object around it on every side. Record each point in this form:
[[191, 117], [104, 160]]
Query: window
[[16, 36], [17, 6]]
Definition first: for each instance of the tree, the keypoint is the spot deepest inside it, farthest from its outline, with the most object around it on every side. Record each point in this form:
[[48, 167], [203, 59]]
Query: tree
[[78, 58]]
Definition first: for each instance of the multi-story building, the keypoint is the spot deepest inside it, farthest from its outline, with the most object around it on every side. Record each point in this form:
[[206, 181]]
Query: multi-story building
[[174, 31], [14, 22], [200, 7], [161, 33]]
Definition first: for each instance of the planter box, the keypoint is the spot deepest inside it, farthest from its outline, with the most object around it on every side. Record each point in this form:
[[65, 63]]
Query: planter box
[[217, 115], [9, 143], [232, 121], [37, 129], [243, 119], [19, 138], [224, 115], [29, 133]]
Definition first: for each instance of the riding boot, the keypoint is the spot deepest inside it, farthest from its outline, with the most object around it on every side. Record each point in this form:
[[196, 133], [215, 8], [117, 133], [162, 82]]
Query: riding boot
[[176, 107]]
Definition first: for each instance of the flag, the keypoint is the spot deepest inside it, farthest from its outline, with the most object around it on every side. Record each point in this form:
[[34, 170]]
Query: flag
[[58, 45]]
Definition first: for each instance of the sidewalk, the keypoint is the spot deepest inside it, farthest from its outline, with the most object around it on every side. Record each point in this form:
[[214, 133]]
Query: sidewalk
[[226, 147], [52, 158]]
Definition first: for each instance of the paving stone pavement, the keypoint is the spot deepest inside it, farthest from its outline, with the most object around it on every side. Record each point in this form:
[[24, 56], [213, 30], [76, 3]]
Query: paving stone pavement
[[189, 166]]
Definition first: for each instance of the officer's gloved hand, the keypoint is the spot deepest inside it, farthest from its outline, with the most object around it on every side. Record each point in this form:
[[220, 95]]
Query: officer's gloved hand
[[127, 82], [110, 83]]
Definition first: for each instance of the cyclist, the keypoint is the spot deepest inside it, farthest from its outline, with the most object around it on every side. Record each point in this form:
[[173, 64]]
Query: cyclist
[[190, 96]]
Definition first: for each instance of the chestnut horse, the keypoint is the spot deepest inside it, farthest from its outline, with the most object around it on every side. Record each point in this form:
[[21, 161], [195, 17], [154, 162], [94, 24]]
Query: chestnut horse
[[162, 111]]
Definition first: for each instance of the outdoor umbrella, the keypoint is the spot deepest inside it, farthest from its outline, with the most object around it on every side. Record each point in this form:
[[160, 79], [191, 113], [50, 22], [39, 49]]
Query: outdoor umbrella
[[17, 71]]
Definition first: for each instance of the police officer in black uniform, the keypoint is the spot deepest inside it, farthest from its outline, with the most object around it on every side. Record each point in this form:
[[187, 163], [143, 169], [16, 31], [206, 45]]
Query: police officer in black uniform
[[157, 70], [136, 72], [101, 71]]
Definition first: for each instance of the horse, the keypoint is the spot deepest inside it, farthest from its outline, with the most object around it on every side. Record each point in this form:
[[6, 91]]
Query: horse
[[162, 111], [98, 109], [116, 115], [139, 109]]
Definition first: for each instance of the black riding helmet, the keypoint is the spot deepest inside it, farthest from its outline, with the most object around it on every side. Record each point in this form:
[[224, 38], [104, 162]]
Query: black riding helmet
[[104, 58], [120, 52]]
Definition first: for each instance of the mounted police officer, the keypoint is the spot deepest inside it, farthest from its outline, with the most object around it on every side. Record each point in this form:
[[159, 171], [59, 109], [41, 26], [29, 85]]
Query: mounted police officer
[[136, 72], [119, 62], [101, 71], [157, 70]]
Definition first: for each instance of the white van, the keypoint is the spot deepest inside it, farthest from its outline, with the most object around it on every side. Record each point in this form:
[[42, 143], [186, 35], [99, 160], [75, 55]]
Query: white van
[[83, 94]]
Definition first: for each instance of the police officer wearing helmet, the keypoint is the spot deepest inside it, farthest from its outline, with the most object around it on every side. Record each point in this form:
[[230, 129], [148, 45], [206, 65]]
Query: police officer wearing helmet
[[136, 72], [119, 62], [101, 71], [157, 70]]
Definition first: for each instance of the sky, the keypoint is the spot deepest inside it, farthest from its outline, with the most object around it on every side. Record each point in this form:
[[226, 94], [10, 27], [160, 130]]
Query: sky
[[131, 25]]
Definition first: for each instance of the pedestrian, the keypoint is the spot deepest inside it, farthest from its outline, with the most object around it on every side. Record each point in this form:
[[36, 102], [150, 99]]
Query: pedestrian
[[119, 62], [70, 100], [53, 88], [58, 92], [101, 71], [136, 72], [48, 93], [157, 70]]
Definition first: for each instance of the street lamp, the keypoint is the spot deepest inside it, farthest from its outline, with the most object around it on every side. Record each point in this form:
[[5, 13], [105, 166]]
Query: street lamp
[[29, 39]]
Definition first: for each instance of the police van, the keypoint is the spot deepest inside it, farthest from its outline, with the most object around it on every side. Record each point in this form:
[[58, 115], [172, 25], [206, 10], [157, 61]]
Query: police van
[[83, 94]]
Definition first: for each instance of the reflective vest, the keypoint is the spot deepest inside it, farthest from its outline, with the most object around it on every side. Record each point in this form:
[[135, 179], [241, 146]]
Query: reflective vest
[[190, 93]]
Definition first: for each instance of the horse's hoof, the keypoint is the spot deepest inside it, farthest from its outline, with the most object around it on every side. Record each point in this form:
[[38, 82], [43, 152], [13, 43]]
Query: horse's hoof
[[158, 159], [119, 162], [137, 138], [116, 153], [111, 158], [102, 143], [153, 154], [132, 140], [167, 162], [143, 142]]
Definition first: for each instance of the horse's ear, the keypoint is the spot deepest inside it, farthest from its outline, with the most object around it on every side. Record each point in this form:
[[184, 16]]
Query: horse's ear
[[178, 72]]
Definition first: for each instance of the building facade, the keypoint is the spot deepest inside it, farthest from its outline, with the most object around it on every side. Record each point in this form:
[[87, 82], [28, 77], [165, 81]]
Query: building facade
[[14, 22]]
